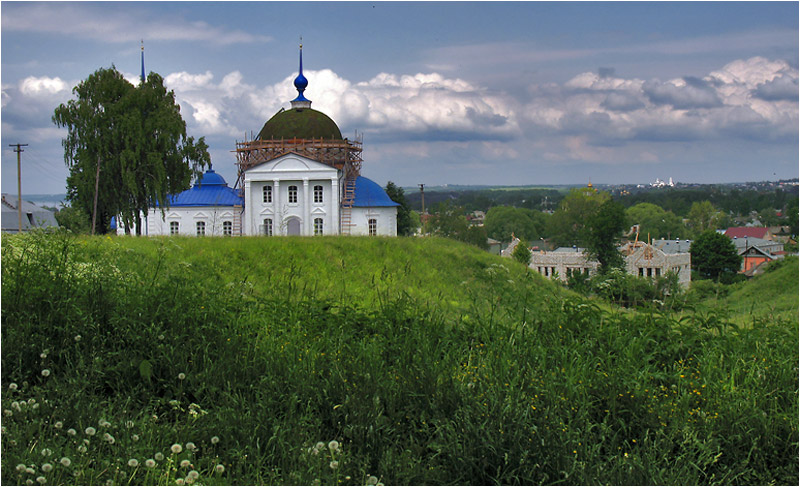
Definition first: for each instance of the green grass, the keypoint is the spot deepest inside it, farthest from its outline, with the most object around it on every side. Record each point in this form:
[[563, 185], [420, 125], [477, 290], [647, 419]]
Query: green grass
[[426, 361]]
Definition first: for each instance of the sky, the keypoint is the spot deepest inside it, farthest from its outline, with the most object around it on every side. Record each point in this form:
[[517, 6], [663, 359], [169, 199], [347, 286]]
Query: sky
[[472, 93]]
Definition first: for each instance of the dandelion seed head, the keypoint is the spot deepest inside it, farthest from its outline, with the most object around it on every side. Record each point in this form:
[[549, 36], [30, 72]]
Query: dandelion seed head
[[31, 402], [12, 387], [90, 431], [191, 446], [21, 467], [129, 424], [214, 440], [219, 468], [47, 452], [372, 480], [135, 437], [179, 482], [58, 425], [78, 338], [185, 463], [30, 471], [8, 412], [72, 432], [159, 456], [133, 463], [334, 465], [29, 482], [45, 372], [176, 448], [333, 446], [82, 449], [42, 355], [47, 467], [194, 474], [41, 480], [149, 463], [66, 461], [181, 376]]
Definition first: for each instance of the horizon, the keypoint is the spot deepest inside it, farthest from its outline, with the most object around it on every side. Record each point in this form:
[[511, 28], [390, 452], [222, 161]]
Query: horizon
[[465, 94]]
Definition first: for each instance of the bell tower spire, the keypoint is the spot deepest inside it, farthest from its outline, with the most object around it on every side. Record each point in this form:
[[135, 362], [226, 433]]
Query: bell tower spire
[[301, 83], [142, 77]]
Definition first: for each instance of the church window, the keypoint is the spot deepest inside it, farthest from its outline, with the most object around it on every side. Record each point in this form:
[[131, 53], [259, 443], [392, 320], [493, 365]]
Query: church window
[[292, 194], [227, 229], [267, 227], [201, 229], [174, 228], [267, 194], [317, 226], [373, 226], [317, 194]]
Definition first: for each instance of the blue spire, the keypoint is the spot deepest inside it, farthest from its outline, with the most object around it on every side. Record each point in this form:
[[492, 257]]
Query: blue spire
[[142, 78], [301, 83]]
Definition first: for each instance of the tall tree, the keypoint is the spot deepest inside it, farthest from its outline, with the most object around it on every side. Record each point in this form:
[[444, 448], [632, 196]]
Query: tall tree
[[503, 221], [655, 222], [714, 256], [705, 216], [568, 224], [605, 227], [405, 225], [126, 147]]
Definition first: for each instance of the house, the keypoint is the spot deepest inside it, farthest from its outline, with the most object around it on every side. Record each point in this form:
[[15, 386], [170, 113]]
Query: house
[[744, 232], [641, 259], [298, 176], [33, 216]]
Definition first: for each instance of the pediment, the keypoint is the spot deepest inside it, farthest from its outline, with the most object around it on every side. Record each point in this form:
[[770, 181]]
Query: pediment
[[291, 162], [200, 214], [267, 211], [318, 211]]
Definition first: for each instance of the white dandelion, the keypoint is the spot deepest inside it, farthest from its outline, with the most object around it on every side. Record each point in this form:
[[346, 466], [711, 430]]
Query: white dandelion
[[66, 461], [45, 372], [185, 463], [194, 474], [214, 440], [149, 463], [21, 467], [334, 465], [58, 425], [219, 468], [181, 376], [191, 446], [47, 468], [72, 432], [133, 463], [41, 480], [159, 456], [176, 448], [333, 446], [90, 431], [12, 387]]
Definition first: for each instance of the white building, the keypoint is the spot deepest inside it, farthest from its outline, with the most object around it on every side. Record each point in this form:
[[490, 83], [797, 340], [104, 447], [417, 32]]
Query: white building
[[299, 176]]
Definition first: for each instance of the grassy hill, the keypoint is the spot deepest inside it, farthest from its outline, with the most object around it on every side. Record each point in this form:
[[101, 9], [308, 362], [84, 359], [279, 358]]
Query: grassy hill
[[364, 361]]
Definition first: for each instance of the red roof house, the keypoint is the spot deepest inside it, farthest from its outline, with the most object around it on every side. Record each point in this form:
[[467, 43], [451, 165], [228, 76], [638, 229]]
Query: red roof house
[[749, 232]]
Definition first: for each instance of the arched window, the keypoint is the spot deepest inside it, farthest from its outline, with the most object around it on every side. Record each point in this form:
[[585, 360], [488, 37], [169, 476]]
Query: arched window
[[373, 226], [317, 226], [266, 228], [318, 194], [201, 229], [292, 194], [227, 228], [267, 194]]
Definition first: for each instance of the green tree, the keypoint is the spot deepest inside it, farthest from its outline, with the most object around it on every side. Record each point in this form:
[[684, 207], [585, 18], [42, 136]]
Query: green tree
[[503, 221], [449, 221], [405, 225], [714, 256], [655, 222], [704, 216], [521, 252], [126, 147], [605, 227], [567, 225], [73, 219]]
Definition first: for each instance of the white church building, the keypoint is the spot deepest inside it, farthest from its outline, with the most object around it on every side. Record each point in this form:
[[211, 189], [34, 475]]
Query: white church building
[[299, 176]]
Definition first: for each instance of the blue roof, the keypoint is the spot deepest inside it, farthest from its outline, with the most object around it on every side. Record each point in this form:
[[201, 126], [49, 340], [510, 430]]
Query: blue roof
[[370, 194], [209, 190]]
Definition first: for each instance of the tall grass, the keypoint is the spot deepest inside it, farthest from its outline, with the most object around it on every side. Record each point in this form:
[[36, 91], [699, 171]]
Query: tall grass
[[363, 361]]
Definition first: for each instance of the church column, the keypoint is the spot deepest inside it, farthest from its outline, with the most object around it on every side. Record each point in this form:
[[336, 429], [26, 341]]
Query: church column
[[277, 218], [249, 211], [334, 201], [307, 223]]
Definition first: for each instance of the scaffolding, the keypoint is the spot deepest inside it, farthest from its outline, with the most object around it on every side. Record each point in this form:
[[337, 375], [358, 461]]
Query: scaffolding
[[344, 155]]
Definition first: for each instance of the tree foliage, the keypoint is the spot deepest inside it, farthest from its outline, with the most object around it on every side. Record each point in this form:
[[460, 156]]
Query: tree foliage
[[405, 224], [568, 225], [521, 252], [655, 222], [449, 221], [714, 256], [605, 227], [135, 136], [503, 221], [704, 216]]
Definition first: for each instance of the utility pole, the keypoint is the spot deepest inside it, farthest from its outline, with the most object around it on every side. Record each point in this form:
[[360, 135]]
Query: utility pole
[[422, 193], [19, 152]]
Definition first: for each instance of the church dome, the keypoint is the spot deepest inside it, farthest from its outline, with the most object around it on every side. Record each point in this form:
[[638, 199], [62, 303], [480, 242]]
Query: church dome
[[210, 178], [300, 123]]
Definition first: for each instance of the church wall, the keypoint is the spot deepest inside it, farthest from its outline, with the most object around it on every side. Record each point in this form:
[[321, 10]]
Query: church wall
[[386, 220], [213, 217]]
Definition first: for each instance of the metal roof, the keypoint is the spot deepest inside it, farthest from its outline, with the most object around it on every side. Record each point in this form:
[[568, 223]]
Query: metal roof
[[209, 190], [370, 194]]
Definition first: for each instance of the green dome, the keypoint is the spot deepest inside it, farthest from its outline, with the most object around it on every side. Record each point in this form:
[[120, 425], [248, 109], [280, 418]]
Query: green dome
[[300, 123]]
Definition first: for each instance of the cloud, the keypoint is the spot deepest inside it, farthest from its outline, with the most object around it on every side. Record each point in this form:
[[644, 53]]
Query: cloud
[[780, 88], [682, 94], [122, 23], [33, 86]]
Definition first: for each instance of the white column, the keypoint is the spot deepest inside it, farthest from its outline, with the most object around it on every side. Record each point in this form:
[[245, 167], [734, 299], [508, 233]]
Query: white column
[[307, 223], [333, 204], [277, 220], [249, 210]]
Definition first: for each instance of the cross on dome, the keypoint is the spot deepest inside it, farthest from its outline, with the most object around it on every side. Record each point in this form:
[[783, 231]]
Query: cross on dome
[[301, 83]]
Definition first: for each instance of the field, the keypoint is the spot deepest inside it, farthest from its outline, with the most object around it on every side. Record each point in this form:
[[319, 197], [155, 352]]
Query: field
[[377, 361]]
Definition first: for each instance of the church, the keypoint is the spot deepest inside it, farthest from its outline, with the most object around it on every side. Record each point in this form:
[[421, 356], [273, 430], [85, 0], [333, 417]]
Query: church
[[298, 176]]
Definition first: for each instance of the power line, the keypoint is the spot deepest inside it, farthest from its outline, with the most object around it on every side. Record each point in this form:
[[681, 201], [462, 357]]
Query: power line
[[19, 152]]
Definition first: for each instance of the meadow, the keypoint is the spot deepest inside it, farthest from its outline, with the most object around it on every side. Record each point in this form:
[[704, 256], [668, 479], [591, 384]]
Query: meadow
[[178, 361]]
